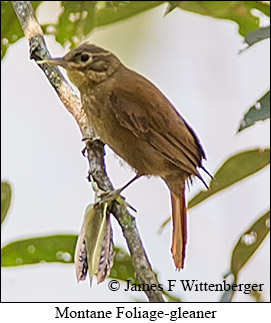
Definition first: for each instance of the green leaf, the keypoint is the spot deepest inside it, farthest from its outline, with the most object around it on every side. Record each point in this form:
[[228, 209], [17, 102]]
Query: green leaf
[[59, 248], [54, 248], [257, 35], [237, 11], [5, 199], [120, 10], [123, 268], [163, 225], [258, 112], [79, 18], [249, 242], [259, 5], [256, 295], [232, 171], [76, 21], [11, 30], [246, 246], [172, 5]]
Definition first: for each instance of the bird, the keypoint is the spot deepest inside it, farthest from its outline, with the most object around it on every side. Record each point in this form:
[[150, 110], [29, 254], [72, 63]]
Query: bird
[[135, 119]]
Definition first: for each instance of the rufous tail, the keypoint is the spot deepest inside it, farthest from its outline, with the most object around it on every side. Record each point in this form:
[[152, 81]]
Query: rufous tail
[[179, 234]]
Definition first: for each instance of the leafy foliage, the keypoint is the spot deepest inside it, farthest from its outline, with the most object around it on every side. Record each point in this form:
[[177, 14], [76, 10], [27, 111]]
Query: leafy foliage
[[79, 18], [123, 268], [257, 296], [262, 6], [232, 171], [258, 112], [76, 21], [172, 5], [249, 242], [113, 11], [59, 248], [246, 246], [11, 30], [237, 11], [55, 248], [5, 199]]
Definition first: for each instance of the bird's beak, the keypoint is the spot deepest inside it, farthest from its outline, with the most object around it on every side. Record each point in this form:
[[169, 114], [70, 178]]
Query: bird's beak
[[59, 61]]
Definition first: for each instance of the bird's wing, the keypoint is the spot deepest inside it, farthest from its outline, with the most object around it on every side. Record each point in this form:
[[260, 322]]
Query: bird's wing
[[142, 109]]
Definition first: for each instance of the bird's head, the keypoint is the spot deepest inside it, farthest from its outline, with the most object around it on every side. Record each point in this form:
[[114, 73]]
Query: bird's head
[[86, 63]]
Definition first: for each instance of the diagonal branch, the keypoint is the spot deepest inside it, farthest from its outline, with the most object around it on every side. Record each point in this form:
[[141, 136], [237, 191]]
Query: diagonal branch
[[94, 147]]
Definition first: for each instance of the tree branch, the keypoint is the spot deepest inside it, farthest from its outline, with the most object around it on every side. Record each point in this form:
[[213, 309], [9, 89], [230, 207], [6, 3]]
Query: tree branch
[[94, 147]]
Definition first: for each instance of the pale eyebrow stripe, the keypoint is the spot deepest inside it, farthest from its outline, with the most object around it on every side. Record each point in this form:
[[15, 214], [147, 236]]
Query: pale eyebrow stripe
[[101, 54]]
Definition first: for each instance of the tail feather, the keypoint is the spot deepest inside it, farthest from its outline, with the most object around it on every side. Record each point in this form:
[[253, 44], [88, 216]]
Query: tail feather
[[179, 234]]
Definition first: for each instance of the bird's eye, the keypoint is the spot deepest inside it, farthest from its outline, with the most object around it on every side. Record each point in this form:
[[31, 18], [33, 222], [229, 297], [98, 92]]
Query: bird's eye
[[84, 57]]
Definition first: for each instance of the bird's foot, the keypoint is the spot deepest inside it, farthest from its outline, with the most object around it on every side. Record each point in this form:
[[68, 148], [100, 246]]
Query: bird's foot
[[90, 141], [107, 198]]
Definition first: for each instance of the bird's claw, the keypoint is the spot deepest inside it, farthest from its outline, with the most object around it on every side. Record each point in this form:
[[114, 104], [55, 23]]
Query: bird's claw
[[109, 197]]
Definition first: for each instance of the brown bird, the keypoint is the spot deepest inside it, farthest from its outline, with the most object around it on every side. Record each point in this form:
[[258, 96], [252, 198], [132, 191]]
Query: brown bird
[[139, 124]]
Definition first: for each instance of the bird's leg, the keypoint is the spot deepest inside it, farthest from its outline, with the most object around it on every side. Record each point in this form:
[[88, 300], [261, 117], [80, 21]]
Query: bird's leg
[[108, 197], [127, 184]]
